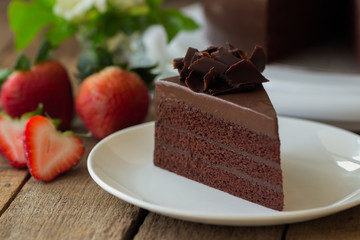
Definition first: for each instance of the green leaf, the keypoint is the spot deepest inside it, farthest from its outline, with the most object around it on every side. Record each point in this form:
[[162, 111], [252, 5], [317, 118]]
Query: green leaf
[[60, 31], [174, 21], [139, 10], [27, 19], [45, 3], [55, 121], [44, 51], [36, 112], [22, 63], [147, 75], [83, 135], [92, 61], [104, 58], [4, 74], [154, 3]]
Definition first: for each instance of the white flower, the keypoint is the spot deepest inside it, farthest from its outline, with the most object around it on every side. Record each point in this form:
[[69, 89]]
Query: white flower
[[126, 4], [76, 9]]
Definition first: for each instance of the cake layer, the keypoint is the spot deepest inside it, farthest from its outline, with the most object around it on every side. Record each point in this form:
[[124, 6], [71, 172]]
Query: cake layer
[[176, 113], [252, 109], [223, 179], [218, 154]]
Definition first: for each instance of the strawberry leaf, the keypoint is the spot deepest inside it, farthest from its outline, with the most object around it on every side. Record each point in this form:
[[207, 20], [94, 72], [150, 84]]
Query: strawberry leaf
[[92, 61], [44, 51], [146, 74], [84, 135], [22, 63], [55, 121], [4, 74], [37, 111]]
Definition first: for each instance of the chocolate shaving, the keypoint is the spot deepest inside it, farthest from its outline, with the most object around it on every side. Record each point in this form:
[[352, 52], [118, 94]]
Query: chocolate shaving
[[205, 63], [243, 73], [237, 52], [258, 58], [178, 63], [210, 79], [219, 70], [193, 83], [185, 71], [224, 56]]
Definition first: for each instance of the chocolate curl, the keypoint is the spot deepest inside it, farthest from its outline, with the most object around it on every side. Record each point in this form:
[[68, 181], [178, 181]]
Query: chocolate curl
[[204, 64], [219, 70], [258, 58], [224, 56], [178, 63], [210, 79], [243, 73], [236, 52], [195, 82], [185, 71]]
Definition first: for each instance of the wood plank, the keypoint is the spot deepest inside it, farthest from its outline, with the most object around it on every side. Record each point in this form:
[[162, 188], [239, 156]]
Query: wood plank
[[160, 227], [11, 181], [344, 225], [70, 207]]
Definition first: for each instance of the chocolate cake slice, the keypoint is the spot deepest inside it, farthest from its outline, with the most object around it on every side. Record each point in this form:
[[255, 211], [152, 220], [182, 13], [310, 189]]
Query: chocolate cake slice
[[216, 125]]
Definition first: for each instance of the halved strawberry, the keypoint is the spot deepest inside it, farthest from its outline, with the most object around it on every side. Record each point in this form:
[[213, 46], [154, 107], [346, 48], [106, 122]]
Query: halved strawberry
[[11, 140], [50, 152]]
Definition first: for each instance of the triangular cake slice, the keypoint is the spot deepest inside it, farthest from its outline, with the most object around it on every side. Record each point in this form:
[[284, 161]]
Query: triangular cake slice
[[228, 140]]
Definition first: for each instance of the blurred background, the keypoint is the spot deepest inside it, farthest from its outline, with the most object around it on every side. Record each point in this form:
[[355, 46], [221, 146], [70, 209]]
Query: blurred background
[[320, 82]]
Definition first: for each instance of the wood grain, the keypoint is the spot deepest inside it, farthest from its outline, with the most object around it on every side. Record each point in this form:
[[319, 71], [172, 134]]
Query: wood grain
[[71, 207], [156, 227], [11, 181], [344, 225]]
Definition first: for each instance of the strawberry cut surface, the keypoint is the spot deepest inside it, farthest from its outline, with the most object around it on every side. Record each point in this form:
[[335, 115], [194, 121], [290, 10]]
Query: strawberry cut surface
[[50, 152], [11, 140]]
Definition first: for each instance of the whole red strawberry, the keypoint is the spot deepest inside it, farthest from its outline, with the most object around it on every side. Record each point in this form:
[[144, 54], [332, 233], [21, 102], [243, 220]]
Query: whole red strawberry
[[110, 100], [47, 82]]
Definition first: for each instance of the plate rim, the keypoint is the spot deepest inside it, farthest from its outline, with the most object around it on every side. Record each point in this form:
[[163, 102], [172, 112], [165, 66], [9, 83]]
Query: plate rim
[[271, 218]]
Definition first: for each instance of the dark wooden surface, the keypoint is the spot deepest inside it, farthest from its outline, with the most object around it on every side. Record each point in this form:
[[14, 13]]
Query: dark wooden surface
[[74, 207]]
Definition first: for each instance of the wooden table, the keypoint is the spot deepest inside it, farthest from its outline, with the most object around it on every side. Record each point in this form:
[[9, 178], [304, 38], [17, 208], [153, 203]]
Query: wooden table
[[75, 207]]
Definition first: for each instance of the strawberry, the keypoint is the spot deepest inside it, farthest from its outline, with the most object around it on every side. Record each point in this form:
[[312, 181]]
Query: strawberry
[[11, 137], [48, 151], [110, 100], [47, 82], [11, 140]]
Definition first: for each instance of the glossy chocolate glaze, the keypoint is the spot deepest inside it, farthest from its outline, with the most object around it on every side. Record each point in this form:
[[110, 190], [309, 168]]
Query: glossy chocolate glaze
[[252, 109]]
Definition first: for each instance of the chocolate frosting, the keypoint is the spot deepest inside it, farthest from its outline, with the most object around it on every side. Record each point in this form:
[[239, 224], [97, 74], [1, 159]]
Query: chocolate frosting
[[218, 70]]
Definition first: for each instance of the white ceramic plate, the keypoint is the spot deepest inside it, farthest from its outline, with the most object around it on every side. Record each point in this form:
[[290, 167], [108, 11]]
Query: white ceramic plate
[[321, 169]]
